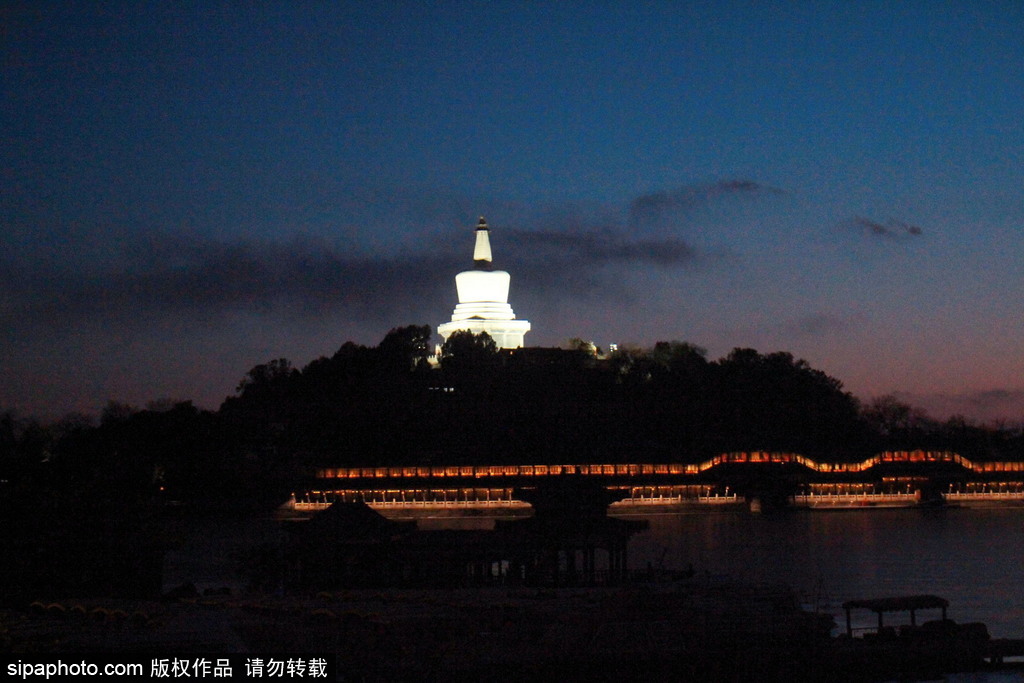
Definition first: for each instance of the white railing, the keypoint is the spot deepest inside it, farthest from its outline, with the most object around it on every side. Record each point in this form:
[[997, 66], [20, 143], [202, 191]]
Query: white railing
[[867, 498], [411, 504], [448, 504], [678, 500], [712, 500], [309, 506], [984, 495]]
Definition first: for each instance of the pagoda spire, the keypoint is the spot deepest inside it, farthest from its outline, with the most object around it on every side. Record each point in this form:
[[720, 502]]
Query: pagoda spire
[[482, 250]]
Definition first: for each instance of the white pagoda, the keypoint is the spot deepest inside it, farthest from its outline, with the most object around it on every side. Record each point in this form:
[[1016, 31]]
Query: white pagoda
[[483, 299]]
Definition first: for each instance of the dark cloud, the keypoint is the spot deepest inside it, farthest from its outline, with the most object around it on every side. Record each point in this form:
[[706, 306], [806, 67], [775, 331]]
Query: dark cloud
[[654, 206], [577, 263], [570, 253], [599, 247], [574, 244], [171, 275], [893, 230]]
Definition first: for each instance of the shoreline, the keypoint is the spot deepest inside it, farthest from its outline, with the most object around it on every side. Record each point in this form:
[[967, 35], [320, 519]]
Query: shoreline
[[621, 509], [697, 629]]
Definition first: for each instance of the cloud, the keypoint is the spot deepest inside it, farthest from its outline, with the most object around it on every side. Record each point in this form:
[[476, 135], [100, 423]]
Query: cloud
[[164, 274], [170, 275], [606, 241], [893, 230], [598, 247], [569, 252], [656, 205]]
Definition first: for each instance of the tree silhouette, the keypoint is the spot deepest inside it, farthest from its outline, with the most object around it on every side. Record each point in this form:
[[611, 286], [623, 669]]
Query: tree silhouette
[[266, 377], [465, 352], [776, 402], [406, 348], [385, 405]]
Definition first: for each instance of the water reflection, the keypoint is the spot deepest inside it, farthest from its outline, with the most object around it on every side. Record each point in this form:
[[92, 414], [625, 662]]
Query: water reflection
[[972, 557]]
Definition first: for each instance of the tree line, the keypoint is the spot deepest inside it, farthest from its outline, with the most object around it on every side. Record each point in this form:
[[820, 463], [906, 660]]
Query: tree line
[[394, 404]]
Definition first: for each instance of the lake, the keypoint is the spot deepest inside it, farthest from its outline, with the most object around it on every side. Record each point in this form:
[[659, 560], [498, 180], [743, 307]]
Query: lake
[[974, 557], [970, 556]]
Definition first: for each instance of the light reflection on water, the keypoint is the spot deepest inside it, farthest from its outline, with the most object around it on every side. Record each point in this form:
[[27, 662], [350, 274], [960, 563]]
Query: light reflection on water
[[972, 557]]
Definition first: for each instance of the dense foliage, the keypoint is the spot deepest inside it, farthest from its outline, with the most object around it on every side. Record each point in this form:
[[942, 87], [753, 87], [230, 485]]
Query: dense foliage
[[388, 405]]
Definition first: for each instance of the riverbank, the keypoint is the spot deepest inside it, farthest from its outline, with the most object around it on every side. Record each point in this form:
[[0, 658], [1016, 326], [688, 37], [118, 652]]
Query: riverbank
[[696, 631], [700, 629]]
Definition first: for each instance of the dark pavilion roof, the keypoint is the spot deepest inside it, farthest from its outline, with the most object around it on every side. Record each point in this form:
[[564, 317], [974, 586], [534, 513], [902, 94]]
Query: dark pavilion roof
[[352, 521]]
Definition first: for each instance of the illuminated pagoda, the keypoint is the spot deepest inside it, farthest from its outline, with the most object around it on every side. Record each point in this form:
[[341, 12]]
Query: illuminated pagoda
[[483, 299]]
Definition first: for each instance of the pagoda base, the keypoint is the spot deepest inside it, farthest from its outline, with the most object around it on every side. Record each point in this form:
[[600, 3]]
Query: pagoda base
[[507, 334]]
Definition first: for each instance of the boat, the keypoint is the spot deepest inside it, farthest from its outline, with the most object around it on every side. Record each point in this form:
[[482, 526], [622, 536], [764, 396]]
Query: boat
[[909, 650]]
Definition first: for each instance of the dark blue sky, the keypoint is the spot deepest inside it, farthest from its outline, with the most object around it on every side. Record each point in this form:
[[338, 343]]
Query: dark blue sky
[[189, 189]]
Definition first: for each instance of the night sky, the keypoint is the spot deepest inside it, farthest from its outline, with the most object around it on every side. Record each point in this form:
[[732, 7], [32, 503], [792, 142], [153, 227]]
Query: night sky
[[190, 189]]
